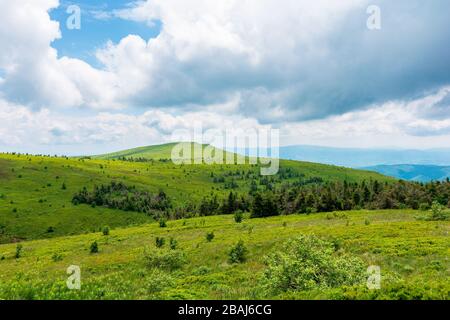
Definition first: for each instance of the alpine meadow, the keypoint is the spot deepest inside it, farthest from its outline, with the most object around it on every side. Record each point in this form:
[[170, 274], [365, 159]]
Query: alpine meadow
[[224, 159], [199, 232]]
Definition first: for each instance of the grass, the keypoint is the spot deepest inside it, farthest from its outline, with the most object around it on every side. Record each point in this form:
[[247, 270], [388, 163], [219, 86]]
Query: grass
[[413, 256], [124, 262], [34, 204]]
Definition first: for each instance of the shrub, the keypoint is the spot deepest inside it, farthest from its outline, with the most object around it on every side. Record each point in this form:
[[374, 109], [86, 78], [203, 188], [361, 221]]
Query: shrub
[[94, 247], [307, 263], [165, 259], [158, 281], [18, 254], [57, 257], [50, 229], [159, 242], [105, 231], [210, 236], [173, 243], [238, 216], [201, 271], [438, 212], [238, 253], [162, 223], [63, 187]]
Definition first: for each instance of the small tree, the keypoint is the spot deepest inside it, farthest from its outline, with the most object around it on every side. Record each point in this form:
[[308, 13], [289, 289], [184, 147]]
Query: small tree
[[94, 247], [437, 211], [238, 253], [159, 242], [162, 223], [210, 236], [19, 248], [238, 216], [105, 231], [64, 187], [173, 243]]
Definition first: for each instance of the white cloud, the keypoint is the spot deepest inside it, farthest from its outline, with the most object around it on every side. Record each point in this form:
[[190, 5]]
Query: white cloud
[[231, 63], [33, 74], [395, 124]]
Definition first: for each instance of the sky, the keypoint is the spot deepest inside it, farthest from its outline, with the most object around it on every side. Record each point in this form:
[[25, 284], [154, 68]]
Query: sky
[[330, 73]]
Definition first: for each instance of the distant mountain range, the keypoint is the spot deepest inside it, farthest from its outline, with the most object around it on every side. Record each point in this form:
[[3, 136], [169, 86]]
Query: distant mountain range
[[426, 165], [412, 172], [357, 158]]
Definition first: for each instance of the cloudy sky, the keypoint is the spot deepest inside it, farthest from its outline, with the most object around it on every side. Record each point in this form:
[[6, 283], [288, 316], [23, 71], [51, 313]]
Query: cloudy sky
[[137, 71]]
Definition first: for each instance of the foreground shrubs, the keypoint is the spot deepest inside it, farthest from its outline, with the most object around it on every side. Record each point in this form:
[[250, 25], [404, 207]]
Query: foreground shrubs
[[308, 263], [437, 213], [93, 247], [164, 259], [238, 253], [18, 254]]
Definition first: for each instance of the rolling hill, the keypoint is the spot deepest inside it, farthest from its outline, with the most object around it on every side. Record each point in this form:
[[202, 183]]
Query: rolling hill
[[156, 152], [43, 232], [36, 191]]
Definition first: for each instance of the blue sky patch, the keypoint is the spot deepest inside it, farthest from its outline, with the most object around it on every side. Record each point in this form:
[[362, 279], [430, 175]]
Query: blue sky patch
[[97, 27]]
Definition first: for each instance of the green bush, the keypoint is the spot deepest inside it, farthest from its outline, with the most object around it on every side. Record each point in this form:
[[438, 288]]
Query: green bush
[[18, 254], [94, 247], [438, 212], [162, 223], [57, 257], [158, 281], [159, 242], [165, 259], [105, 231], [173, 243], [238, 253], [307, 263], [210, 236], [238, 216]]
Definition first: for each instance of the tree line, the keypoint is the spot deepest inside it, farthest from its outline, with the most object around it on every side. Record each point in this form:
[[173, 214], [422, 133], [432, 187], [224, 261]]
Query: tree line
[[310, 196], [117, 195]]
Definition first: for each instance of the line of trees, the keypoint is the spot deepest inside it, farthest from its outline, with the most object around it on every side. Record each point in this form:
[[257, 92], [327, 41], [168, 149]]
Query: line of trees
[[122, 197], [342, 196], [310, 196]]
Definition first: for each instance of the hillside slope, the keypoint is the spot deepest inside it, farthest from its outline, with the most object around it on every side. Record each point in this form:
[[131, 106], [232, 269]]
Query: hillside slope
[[413, 257], [36, 192], [155, 152]]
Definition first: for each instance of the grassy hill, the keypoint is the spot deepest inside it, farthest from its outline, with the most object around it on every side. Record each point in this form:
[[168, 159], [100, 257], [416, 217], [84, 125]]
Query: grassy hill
[[36, 210], [36, 191], [156, 152], [413, 257]]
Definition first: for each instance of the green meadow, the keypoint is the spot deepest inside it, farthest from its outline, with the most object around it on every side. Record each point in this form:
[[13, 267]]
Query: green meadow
[[413, 257], [34, 203], [42, 233]]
